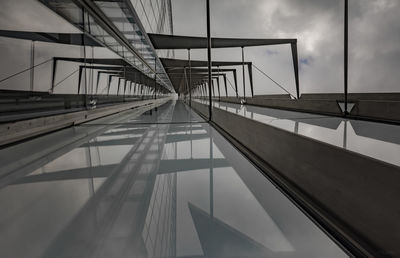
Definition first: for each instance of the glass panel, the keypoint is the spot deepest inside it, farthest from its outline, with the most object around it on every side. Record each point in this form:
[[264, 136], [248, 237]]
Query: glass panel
[[154, 185]]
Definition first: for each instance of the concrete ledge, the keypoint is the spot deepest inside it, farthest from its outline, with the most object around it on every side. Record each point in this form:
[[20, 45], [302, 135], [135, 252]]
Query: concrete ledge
[[355, 194], [39, 151], [377, 109], [16, 131], [353, 96], [370, 106]]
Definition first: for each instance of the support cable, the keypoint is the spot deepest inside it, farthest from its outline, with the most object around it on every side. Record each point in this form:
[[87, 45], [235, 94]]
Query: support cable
[[25, 70], [69, 75], [280, 86], [233, 88]]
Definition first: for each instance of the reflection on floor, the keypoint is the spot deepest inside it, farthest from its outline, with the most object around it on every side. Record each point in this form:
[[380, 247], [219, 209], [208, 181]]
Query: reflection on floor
[[163, 184], [377, 140]]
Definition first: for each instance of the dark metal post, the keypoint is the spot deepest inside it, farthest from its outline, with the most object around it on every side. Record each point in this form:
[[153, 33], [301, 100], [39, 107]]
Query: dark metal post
[[186, 81], [32, 65], [190, 79], [125, 81], [219, 90], [209, 60], [296, 68], [97, 82], [244, 78], [53, 76], [226, 86], [345, 135], [119, 84], [236, 85], [80, 79], [346, 53], [219, 93], [155, 78], [134, 87], [250, 70], [109, 84], [211, 176]]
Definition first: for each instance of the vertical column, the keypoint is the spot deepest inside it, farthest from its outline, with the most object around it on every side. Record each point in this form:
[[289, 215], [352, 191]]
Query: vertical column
[[32, 72], [209, 60], [190, 79], [134, 86], [53, 76], [219, 90], [155, 78], [109, 84], [84, 54], [91, 75], [236, 85], [125, 81], [250, 70], [296, 68], [119, 84], [211, 175], [80, 78], [244, 78], [346, 53], [226, 86], [97, 82], [185, 82]]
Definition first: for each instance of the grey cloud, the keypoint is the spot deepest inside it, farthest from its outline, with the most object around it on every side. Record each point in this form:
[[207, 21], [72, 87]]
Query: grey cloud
[[318, 25]]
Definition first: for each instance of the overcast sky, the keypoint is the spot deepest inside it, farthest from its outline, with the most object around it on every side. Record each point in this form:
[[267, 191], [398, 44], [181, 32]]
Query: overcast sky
[[318, 26]]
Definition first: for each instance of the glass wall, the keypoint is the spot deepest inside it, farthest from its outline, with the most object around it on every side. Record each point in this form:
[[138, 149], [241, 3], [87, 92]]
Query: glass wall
[[45, 63], [20, 55], [156, 17]]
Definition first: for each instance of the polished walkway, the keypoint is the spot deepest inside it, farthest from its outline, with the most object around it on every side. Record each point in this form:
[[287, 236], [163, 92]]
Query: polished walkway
[[377, 140], [164, 184]]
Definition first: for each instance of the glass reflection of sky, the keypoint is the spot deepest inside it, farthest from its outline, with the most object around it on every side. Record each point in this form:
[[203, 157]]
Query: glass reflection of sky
[[130, 187], [376, 140]]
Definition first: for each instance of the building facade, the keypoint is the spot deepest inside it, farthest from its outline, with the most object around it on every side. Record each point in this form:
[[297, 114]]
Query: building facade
[[56, 46]]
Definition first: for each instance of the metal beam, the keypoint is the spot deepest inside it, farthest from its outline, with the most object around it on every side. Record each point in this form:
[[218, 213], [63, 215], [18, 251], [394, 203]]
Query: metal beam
[[161, 41]]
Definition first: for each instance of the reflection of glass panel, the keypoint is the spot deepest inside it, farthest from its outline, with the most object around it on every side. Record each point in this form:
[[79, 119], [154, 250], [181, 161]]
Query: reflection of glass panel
[[152, 198]]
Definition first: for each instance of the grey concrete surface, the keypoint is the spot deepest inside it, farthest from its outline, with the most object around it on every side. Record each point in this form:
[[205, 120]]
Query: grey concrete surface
[[374, 106], [16, 131]]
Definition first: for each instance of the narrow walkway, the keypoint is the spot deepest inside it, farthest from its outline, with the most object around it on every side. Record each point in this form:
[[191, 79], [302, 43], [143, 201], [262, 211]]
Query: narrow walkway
[[164, 184], [377, 140]]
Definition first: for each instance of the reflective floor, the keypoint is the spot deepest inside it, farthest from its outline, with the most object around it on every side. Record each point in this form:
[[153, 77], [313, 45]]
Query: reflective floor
[[377, 140], [163, 184]]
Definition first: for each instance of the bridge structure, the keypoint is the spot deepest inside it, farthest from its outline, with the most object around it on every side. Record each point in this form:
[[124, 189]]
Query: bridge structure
[[112, 146]]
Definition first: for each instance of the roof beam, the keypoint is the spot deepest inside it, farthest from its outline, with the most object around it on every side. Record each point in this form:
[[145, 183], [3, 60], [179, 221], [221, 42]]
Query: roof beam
[[161, 41]]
